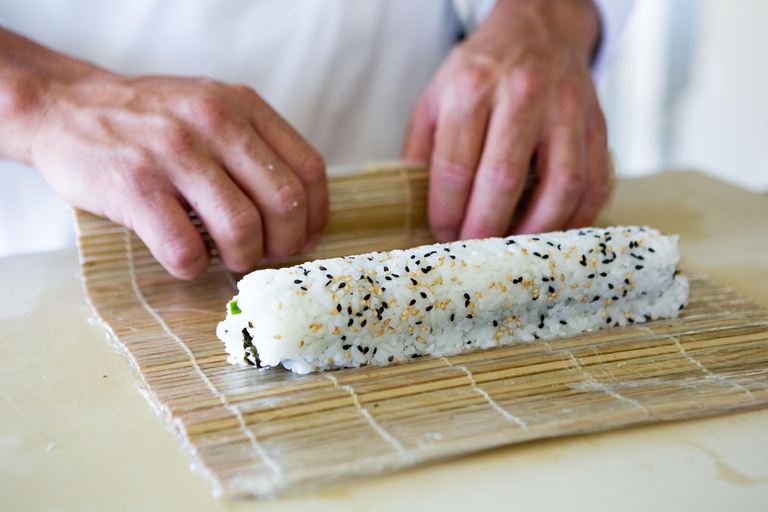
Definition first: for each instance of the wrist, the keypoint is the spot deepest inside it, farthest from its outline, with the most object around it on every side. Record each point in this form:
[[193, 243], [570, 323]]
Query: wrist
[[31, 79], [575, 23]]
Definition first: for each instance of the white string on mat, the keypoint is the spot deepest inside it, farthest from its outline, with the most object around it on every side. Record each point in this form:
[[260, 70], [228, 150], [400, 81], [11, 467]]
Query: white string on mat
[[268, 461], [374, 424], [710, 373], [491, 401]]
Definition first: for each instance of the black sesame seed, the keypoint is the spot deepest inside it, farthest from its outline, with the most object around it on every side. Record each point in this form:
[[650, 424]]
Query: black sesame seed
[[374, 350], [358, 314], [349, 324], [304, 288], [469, 316], [338, 308], [342, 285], [349, 310], [414, 356], [545, 256], [466, 296], [366, 349], [596, 298], [466, 304], [322, 268], [391, 358], [638, 267], [414, 282], [360, 348], [423, 295], [297, 281], [329, 282], [386, 268], [429, 308], [413, 301], [563, 322], [610, 286], [650, 249], [368, 296], [603, 274], [591, 276], [608, 320], [346, 347], [536, 254], [365, 321], [452, 317], [387, 278], [551, 290]]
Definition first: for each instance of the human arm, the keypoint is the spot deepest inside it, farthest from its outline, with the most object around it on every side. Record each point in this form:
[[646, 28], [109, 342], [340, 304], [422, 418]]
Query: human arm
[[145, 150], [520, 86]]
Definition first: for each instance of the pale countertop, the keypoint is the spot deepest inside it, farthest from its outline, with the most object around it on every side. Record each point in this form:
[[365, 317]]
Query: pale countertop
[[76, 434]]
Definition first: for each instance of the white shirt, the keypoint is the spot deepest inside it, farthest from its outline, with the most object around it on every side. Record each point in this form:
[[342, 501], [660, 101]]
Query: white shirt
[[345, 73]]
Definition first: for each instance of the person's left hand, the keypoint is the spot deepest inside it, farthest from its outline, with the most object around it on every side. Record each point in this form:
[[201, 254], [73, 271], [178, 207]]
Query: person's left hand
[[519, 87]]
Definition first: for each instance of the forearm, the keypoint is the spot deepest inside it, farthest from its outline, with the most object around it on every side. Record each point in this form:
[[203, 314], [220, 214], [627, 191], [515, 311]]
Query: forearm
[[30, 77]]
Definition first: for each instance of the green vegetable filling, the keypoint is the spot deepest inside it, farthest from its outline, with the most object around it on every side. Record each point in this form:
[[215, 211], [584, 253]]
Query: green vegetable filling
[[233, 308]]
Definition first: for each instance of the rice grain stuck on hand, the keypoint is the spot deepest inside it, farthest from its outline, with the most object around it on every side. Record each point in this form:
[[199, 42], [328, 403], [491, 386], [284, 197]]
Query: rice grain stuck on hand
[[444, 299]]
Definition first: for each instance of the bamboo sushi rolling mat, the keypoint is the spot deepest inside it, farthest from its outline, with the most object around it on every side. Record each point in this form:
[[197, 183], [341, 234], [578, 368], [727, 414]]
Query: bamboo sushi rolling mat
[[271, 432]]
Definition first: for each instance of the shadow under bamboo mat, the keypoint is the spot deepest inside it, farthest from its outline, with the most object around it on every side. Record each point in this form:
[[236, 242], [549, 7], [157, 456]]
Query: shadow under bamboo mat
[[270, 432]]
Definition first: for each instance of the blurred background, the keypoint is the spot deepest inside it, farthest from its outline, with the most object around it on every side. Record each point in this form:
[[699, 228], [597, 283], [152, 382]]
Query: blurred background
[[688, 89]]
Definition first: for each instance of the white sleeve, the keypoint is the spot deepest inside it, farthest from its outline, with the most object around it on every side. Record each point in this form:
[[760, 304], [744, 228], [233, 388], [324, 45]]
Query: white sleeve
[[472, 12], [613, 18]]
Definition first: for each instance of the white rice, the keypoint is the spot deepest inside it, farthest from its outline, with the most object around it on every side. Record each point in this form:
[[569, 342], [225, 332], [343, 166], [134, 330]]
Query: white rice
[[444, 299]]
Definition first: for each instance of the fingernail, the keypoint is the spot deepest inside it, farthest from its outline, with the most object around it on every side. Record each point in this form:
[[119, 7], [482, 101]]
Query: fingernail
[[311, 243]]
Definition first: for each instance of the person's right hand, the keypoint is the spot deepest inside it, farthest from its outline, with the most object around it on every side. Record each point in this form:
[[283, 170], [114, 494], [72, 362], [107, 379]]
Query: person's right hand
[[144, 151]]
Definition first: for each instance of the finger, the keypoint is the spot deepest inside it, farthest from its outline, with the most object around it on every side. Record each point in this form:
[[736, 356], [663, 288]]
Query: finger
[[599, 182], [513, 132], [229, 216], [561, 166], [298, 154], [276, 191], [165, 227], [459, 134], [419, 135]]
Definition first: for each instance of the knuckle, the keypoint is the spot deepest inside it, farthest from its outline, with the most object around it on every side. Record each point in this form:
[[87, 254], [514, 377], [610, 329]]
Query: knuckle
[[473, 81], [210, 111], [505, 177], [571, 180], [243, 228], [570, 98], [596, 122], [526, 83], [312, 168], [288, 199], [454, 175], [174, 139], [182, 259]]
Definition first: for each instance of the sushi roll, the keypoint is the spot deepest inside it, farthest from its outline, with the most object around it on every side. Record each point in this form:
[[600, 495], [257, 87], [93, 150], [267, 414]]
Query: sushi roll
[[444, 299]]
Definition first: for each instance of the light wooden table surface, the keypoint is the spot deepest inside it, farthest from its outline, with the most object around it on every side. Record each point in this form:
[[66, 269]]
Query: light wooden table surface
[[75, 433]]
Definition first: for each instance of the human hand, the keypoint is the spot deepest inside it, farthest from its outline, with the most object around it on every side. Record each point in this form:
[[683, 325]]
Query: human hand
[[144, 151], [519, 87]]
